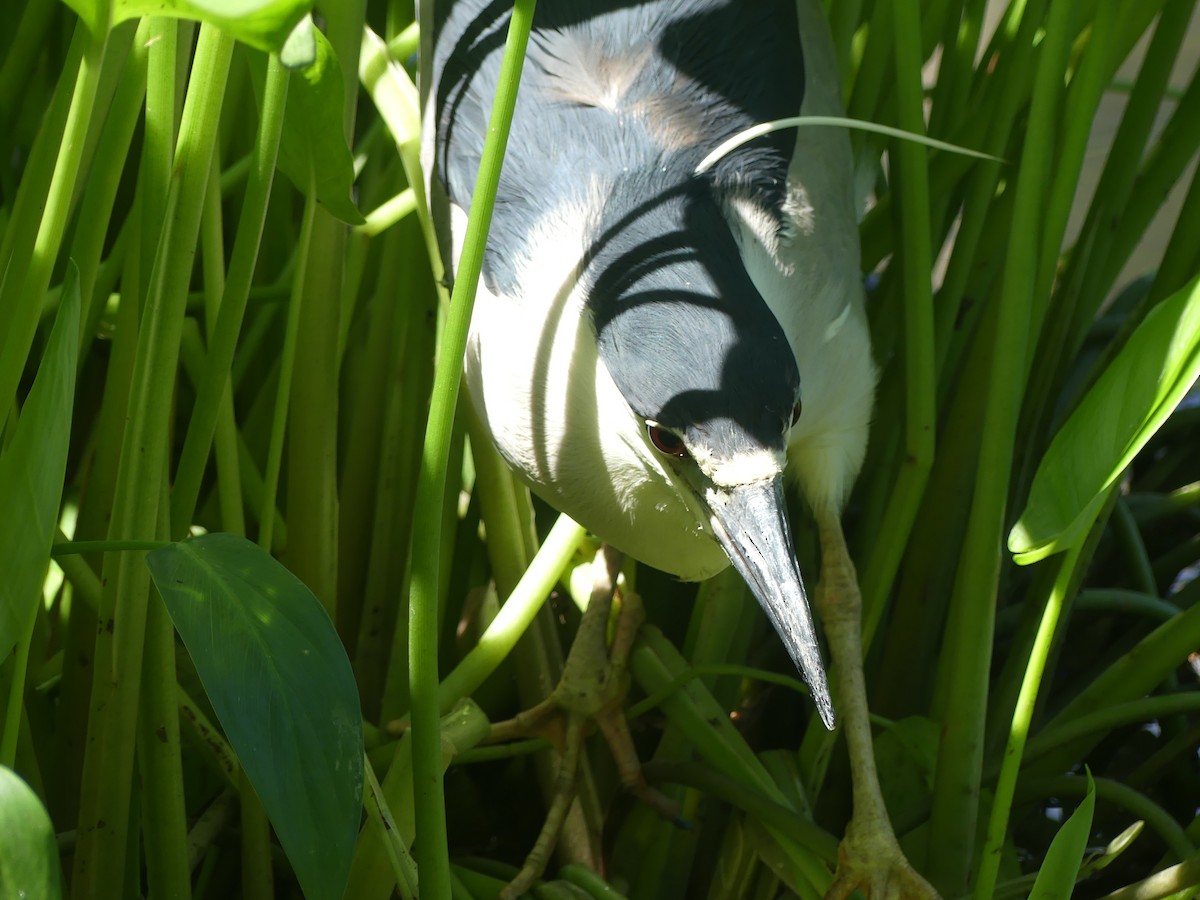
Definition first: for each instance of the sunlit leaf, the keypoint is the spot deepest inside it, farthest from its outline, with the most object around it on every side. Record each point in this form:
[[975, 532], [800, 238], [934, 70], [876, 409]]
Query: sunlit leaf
[[1120, 413], [300, 48], [29, 865], [32, 471], [1056, 880], [313, 152], [282, 687], [265, 24]]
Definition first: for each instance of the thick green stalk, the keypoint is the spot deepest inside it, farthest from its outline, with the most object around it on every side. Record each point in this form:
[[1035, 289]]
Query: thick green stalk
[[382, 636], [223, 335], [158, 147], [312, 494], [370, 384], [312, 449], [912, 185], [967, 650], [515, 615], [432, 851], [108, 766], [160, 764]]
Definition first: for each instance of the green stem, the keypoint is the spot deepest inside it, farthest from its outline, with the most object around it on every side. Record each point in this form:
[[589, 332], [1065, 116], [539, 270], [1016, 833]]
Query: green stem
[[287, 364], [515, 615], [102, 851], [1136, 557], [312, 474], [912, 184], [160, 763], [993, 848], [224, 333], [968, 636], [27, 273], [433, 852]]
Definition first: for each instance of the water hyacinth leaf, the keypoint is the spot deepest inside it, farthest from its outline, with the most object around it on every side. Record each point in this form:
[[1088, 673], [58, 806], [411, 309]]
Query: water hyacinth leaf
[[32, 470], [313, 150], [264, 24], [1060, 870], [280, 682], [1121, 412], [29, 865]]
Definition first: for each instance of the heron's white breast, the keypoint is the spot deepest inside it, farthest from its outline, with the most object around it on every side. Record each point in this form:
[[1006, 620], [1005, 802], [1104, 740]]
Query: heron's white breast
[[537, 382]]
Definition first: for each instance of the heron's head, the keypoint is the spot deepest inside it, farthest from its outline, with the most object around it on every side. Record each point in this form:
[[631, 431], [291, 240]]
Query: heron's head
[[705, 365]]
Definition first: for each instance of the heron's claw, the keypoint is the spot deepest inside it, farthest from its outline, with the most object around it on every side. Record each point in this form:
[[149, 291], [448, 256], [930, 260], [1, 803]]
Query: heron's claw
[[870, 861], [593, 686]]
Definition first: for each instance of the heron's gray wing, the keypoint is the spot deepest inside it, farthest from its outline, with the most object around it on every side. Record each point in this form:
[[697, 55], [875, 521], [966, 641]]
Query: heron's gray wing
[[611, 88]]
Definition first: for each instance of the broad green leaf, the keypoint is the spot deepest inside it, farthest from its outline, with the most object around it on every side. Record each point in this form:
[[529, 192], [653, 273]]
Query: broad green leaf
[[300, 49], [1060, 870], [313, 152], [264, 24], [1120, 413], [29, 865], [281, 685], [32, 471]]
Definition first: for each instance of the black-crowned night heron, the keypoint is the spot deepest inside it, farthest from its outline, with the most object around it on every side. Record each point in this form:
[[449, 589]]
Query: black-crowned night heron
[[644, 333]]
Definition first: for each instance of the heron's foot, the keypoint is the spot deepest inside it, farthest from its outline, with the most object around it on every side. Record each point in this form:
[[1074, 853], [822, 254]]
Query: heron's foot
[[871, 861], [593, 687]]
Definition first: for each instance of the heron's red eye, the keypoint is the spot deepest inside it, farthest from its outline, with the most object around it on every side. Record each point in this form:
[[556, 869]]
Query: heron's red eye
[[666, 441], [795, 414]]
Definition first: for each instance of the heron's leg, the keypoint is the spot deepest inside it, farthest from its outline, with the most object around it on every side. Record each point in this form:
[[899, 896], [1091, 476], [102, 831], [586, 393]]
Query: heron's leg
[[869, 858], [594, 682]]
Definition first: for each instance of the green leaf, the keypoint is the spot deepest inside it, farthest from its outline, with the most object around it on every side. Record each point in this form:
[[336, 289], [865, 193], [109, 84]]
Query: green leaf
[[313, 152], [280, 682], [1060, 870], [906, 757], [32, 471], [1120, 413], [29, 864], [264, 24], [300, 49], [92, 14]]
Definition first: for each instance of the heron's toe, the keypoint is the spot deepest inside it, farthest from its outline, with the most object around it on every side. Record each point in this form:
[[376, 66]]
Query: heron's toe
[[873, 863]]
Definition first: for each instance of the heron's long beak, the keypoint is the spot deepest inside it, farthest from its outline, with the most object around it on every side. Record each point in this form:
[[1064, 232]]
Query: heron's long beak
[[751, 523]]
